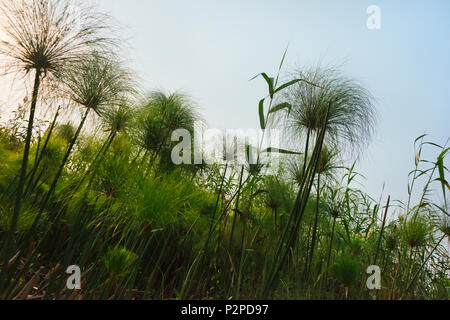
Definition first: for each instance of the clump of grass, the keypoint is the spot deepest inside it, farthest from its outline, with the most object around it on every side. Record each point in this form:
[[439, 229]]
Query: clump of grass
[[347, 271], [119, 261], [416, 231]]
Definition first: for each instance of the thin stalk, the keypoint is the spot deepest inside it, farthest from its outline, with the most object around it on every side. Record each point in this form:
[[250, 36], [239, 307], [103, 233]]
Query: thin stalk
[[64, 161], [50, 192], [316, 222], [44, 147], [241, 262], [330, 248], [381, 231], [97, 160], [424, 263], [308, 241], [23, 173], [287, 239], [308, 135], [216, 205], [237, 208]]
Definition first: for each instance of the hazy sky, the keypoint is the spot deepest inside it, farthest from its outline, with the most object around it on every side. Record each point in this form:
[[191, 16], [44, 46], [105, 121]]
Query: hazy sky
[[210, 50]]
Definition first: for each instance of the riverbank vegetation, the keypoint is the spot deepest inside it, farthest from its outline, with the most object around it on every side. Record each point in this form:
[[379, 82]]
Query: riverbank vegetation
[[100, 190]]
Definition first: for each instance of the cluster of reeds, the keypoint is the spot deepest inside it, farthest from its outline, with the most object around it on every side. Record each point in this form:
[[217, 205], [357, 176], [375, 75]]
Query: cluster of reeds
[[108, 198]]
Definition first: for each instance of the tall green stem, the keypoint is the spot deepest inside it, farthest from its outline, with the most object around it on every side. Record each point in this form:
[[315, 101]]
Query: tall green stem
[[237, 208], [316, 222], [64, 161], [424, 263], [213, 224], [289, 235], [23, 173], [330, 247], [308, 135], [381, 231], [41, 153]]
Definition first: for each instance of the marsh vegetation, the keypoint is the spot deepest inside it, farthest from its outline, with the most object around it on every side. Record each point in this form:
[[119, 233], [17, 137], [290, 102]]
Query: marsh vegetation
[[99, 190]]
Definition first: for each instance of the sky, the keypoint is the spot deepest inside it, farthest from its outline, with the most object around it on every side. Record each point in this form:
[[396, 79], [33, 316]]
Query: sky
[[211, 49]]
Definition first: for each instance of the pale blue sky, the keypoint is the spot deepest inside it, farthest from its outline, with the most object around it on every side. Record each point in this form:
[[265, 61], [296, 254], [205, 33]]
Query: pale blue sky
[[210, 49]]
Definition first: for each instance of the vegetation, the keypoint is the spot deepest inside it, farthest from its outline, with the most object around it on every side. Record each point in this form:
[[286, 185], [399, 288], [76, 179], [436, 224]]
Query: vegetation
[[102, 192]]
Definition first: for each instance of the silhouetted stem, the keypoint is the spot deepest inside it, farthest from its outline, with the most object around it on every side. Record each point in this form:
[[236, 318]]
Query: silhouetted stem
[[330, 247], [41, 153], [381, 231], [64, 162], [424, 263], [22, 178], [316, 222]]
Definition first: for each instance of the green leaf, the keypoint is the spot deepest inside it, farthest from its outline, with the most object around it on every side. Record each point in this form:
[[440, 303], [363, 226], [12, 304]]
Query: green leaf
[[270, 83], [443, 154], [441, 167], [257, 193], [281, 65], [342, 244], [444, 182], [262, 121], [281, 106], [442, 209], [284, 57], [249, 153], [292, 82], [433, 144], [282, 151], [422, 136], [417, 158]]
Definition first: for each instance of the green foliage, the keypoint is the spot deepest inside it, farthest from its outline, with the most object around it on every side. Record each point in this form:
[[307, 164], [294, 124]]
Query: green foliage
[[393, 238], [347, 270], [66, 131], [147, 228], [416, 231], [158, 117], [279, 194], [143, 228], [119, 261], [162, 201]]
